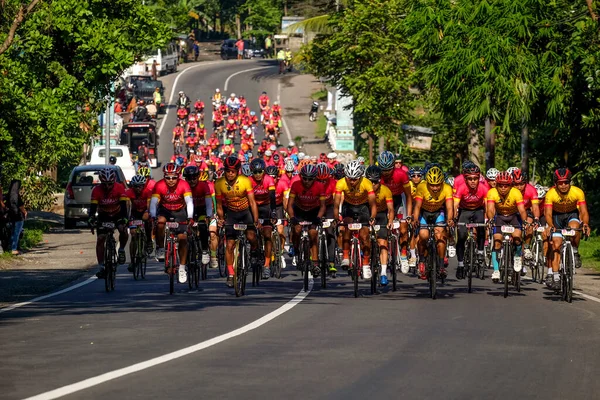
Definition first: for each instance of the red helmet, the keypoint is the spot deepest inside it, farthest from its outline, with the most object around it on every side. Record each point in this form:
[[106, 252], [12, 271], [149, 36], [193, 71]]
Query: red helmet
[[562, 174], [519, 176], [232, 162], [171, 169], [504, 178], [323, 172]]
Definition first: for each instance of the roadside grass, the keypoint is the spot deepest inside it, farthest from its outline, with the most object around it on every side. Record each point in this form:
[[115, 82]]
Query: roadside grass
[[319, 95], [321, 127], [33, 234], [590, 252]]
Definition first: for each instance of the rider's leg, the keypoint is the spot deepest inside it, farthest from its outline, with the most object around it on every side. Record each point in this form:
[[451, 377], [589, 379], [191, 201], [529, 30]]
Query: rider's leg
[[267, 232], [182, 248], [160, 232]]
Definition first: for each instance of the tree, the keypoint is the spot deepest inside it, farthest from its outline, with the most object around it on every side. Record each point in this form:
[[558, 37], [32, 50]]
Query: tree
[[56, 73], [264, 16]]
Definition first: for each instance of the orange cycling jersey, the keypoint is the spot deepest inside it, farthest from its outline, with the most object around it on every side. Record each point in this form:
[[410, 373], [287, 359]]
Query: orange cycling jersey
[[383, 196], [356, 195], [234, 196], [506, 205], [433, 202], [564, 203]]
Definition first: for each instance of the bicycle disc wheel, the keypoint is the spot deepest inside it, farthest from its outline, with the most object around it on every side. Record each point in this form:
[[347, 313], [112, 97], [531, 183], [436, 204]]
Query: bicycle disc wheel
[[469, 261], [355, 267]]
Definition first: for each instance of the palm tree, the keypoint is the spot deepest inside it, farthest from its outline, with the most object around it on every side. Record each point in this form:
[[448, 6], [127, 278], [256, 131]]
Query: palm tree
[[318, 24]]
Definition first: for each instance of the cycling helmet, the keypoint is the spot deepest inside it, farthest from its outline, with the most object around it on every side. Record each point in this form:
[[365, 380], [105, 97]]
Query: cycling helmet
[[171, 169], [232, 162], [504, 178], [323, 172], [144, 171], [338, 171], [252, 113], [258, 165], [112, 160], [272, 170], [203, 175], [301, 156], [470, 169], [467, 164], [309, 171], [435, 176], [276, 157], [191, 172], [361, 160], [541, 191], [386, 160], [491, 174], [450, 180], [138, 180], [562, 174], [179, 161], [290, 166], [398, 157], [246, 169], [511, 170], [519, 176], [354, 170], [108, 175], [373, 173], [291, 144], [415, 171]]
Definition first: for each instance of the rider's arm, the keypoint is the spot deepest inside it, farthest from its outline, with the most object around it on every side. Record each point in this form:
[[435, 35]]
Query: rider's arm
[[449, 209], [491, 209], [584, 216], [522, 212], [189, 202], [409, 200], [209, 206], [535, 207], [337, 200], [93, 209], [220, 212], [417, 209], [272, 199], [390, 211], [153, 206], [321, 209], [373, 204], [253, 206], [290, 206]]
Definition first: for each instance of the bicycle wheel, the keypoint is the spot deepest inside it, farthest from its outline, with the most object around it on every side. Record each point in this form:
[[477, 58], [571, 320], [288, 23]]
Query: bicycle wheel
[[323, 260], [355, 266], [374, 266], [469, 261], [113, 277], [221, 259], [276, 249], [506, 267], [244, 265], [109, 256], [569, 262], [394, 262], [432, 265], [143, 255], [169, 263], [192, 261], [305, 255]]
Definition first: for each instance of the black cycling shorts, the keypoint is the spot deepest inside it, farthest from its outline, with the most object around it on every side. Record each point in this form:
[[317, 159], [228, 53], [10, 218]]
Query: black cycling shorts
[[237, 217], [175, 216], [359, 213], [310, 216]]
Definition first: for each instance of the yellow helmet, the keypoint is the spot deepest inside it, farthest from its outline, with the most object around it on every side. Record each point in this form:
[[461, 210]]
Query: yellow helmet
[[435, 176], [203, 175]]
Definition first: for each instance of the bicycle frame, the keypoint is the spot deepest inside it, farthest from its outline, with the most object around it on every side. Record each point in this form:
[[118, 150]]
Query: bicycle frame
[[304, 251], [139, 248]]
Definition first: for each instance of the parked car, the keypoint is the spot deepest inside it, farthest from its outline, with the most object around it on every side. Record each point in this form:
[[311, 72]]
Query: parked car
[[78, 193], [142, 87], [229, 50], [121, 152], [134, 133]]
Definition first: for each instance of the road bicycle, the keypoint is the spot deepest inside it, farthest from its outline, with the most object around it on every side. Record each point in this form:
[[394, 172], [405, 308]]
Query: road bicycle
[[198, 257], [473, 263], [304, 262], [241, 259], [171, 252], [323, 250], [375, 258], [355, 268], [221, 252], [139, 255], [276, 251], [432, 261], [258, 261], [537, 263], [394, 252], [110, 255], [567, 263], [508, 273]]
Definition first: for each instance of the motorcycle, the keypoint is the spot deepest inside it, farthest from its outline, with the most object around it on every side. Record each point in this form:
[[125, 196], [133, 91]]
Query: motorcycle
[[314, 108]]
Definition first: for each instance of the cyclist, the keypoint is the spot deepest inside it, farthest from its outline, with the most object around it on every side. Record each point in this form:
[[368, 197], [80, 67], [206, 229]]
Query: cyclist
[[532, 206], [172, 201], [564, 208], [396, 179], [235, 205], [307, 203], [282, 191], [233, 103], [110, 201], [139, 194], [217, 97], [416, 176], [505, 206], [146, 173], [324, 176], [434, 197], [384, 218], [263, 101], [359, 205], [203, 205], [265, 197], [490, 177], [469, 203]]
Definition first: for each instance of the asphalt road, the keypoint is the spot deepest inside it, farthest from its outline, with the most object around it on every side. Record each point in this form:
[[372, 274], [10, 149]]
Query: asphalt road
[[327, 345]]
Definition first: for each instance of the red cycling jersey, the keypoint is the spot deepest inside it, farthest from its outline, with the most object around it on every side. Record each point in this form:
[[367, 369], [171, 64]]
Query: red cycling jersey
[[307, 199], [263, 100], [396, 181], [530, 196], [261, 190], [150, 183], [172, 199], [329, 190], [139, 203], [199, 193], [109, 201], [280, 189], [470, 199]]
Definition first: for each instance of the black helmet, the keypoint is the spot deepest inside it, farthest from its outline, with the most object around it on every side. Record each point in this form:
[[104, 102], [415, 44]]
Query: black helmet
[[373, 173], [112, 160], [257, 165], [191, 172], [272, 170]]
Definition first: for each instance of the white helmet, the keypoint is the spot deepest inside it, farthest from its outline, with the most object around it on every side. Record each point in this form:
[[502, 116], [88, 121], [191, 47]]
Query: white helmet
[[268, 153], [289, 166], [232, 95], [491, 174], [291, 144], [275, 103], [354, 169], [541, 191], [512, 169], [301, 156], [217, 90], [180, 92], [361, 160], [332, 156], [246, 169], [273, 148]]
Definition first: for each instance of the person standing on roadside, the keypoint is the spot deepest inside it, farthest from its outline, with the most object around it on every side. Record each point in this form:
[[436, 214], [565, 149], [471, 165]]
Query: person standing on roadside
[[196, 50], [268, 46], [16, 213], [154, 70], [281, 60], [240, 46]]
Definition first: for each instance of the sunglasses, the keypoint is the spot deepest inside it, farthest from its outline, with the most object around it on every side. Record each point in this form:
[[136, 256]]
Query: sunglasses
[[308, 179], [171, 178], [563, 182], [375, 181], [352, 179], [503, 185], [416, 176], [472, 178], [257, 172]]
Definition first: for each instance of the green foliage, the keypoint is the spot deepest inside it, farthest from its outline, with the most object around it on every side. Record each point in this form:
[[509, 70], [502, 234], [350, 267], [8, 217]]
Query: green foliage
[[263, 15], [56, 73], [38, 192], [320, 95]]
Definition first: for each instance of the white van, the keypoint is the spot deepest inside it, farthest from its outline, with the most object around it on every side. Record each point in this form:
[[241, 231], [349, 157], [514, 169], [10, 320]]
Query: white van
[[166, 59]]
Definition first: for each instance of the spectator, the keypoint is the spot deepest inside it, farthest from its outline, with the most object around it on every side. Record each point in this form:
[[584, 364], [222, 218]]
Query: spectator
[[268, 46], [157, 97], [240, 46], [118, 106], [16, 213], [196, 50], [154, 70]]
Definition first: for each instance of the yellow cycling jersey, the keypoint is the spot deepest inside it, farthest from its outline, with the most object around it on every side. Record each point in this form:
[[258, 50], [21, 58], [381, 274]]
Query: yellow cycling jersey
[[234, 197], [506, 205], [413, 189], [433, 202], [383, 196], [357, 195], [568, 202]]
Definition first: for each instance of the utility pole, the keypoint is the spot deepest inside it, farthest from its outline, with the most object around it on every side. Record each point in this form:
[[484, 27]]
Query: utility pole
[[107, 130]]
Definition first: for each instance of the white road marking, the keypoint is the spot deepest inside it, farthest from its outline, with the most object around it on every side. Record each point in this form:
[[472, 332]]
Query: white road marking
[[97, 380], [65, 290], [587, 296], [240, 72], [285, 125]]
